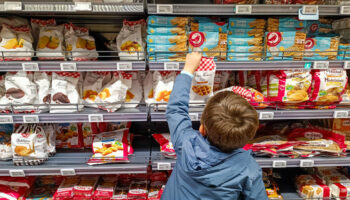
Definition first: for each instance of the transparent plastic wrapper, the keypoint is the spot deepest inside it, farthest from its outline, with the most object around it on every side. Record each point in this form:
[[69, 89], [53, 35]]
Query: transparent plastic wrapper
[[50, 43], [213, 44], [68, 135], [134, 93], [50, 131], [16, 43], [14, 21], [89, 130], [321, 48], [5, 141]]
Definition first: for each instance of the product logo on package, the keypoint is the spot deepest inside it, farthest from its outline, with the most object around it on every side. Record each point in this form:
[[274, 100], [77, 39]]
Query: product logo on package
[[196, 39], [274, 38], [25, 135], [313, 135], [314, 27], [309, 43]]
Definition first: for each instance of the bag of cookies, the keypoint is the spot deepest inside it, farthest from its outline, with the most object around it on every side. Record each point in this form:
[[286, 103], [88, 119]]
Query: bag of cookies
[[212, 26], [64, 92], [5, 141], [246, 33], [220, 80], [340, 190], [213, 44], [246, 23], [166, 146], [244, 41], [285, 24], [203, 81], [50, 132], [134, 93], [167, 21], [159, 30], [50, 43], [88, 131], [321, 48], [148, 92], [138, 189], [36, 25], [115, 91], [80, 46], [43, 83], [163, 82], [69, 136], [65, 190], [166, 39], [85, 188], [93, 83]]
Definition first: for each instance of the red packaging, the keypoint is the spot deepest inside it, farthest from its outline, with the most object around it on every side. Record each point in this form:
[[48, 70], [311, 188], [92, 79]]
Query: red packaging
[[86, 187], [138, 190], [69, 135], [65, 190]]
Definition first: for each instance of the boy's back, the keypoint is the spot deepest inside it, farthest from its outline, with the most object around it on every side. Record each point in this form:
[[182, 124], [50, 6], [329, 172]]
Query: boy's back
[[203, 171]]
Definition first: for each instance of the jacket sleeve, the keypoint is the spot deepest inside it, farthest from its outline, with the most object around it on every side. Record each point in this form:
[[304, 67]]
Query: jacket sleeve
[[254, 188], [177, 110]]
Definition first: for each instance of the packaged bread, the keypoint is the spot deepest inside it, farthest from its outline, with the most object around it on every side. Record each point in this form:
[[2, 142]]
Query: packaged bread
[[138, 190], [85, 188], [321, 48], [50, 43], [65, 190], [340, 191], [167, 21]]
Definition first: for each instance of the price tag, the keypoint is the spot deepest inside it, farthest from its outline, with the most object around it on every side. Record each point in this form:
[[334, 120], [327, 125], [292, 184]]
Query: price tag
[[321, 65], [171, 66], [310, 10], [345, 10], [124, 66], [30, 119], [83, 6], [194, 116], [30, 66], [279, 164], [68, 66], [306, 163], [165, 9], [340, 114], [68, 172], [95, 118], [17, 173], [346, 65], [266, 115], [243, 9], [163, 166], [6, 119], [12, 5]]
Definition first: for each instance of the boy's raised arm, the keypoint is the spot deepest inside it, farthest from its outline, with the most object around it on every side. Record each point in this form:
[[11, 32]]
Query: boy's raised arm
[[177, 109]]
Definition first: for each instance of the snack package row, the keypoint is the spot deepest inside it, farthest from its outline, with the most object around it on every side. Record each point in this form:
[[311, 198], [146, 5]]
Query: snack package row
[[271, 187]]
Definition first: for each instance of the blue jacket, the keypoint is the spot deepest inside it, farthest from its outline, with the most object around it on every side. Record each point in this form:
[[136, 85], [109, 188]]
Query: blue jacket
[[202, 171]]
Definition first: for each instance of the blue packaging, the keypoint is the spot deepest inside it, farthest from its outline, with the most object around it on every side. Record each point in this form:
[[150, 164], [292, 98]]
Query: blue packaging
[[155, 20], [236, 41], [250, 23], [154, 30]]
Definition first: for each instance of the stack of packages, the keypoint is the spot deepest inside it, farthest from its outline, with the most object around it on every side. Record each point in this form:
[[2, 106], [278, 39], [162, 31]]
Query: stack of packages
[[342, 126], [323, 183], [297, 140], [167, 39], [245, 39], [15, 188], [209, 36], [44, 187], [342, 27], [166, 147], [271, 187], [310, 2], [236, 1], [285, 38]]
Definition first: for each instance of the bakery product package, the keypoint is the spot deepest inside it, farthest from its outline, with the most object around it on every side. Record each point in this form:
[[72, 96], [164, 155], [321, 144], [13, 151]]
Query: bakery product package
[[321, 48], [93, 83], [159, 30], [163, 82], [212, 44], [167, 21], [134, 94], [50, 44], [246, 23], [5, 141], [43, 81], [245, 53], [69, 136], [285, 24], [148, 91]]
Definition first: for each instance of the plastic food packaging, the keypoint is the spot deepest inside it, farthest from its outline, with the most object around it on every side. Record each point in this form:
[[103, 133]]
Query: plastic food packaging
[[321, 48], [43, 83], [148, 91], [50, 43], [89, 130], [166, 147], [36, 25], [163, 82], [68, 135], [138, 190], [86, 187], [93, 83], [236, 1], [5, 141], [167, 21], [134, 93], [65, 190]]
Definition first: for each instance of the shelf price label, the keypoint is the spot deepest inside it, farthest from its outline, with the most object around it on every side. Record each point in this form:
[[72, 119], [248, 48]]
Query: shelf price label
[[6, 119], [95, 118], [266, 115], [346, 65], [83, 6], [194, 116], [68, 172], [124, 66], [340, 114], [69, 67], [30, 66], [308, 12], [321, 65], [171, 66], [165, 9], [12, 5], [279, 164], [17, 173], [29, 119], [307, 163], [244, 9], [345, 10], [163, 166]]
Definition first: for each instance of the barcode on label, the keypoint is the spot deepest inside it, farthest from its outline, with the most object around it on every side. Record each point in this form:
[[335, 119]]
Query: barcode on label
[[164, 8], [310, 10], [30, 119], [345, 10], [17, 173], [306, 163], [279, 164], [266, 115], [6, 119], [124, 66], [194, 116], [68, 172], [30, 66], [321, 65], [68, 66], [171, 66], [340, 114], [164, 166], [95, 118], [12, 5], [243, 9], [347, 65], [83, 6]]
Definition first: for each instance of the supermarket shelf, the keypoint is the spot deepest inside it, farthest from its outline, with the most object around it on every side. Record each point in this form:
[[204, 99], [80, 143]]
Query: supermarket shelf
[[258, 65], [225, 9], [123, 114], [156, 158], [80, 66]]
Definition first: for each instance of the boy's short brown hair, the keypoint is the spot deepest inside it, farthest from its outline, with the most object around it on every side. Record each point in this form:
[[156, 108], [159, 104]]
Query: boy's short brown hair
[[229, 120]]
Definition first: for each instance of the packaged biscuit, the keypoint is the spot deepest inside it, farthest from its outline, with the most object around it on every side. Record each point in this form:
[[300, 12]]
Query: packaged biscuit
[[93, 83], [321, 48], [285, 45], [45, 192], [328, 86], [148, 92], [68, 135], [50, 43], [86, 187], [138, 190], [104, 190], [154, 20], [43, 84], [162, 49], [327, 171], [290, 86], [50, 131], [244, 33], [5, 141], [134, 93], [344, 51], [36, 24], [340, 190], [220, 27], [244, 57], [220, 80], [12, 193], [237, 41], [274, 24], [88, 131], [337, 178], [342, 126], [246, 49], [163, 82], [318, 190], [246, 23], [203, 81], [155, 30], [166, 39], [167, 57], [65, 190], [213, 44]]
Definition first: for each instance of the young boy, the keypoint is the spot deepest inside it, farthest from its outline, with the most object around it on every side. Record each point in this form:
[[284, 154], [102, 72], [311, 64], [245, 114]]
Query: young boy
[[211, 164]]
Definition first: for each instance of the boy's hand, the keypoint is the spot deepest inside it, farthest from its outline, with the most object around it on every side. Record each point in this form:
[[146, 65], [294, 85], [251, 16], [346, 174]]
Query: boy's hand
[[192, 62]]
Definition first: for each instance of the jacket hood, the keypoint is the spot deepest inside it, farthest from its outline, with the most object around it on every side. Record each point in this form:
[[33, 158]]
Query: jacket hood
[[208, 165]]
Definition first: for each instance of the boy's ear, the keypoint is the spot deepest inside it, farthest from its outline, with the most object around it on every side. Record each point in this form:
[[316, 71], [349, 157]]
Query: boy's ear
[[202, 130]]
